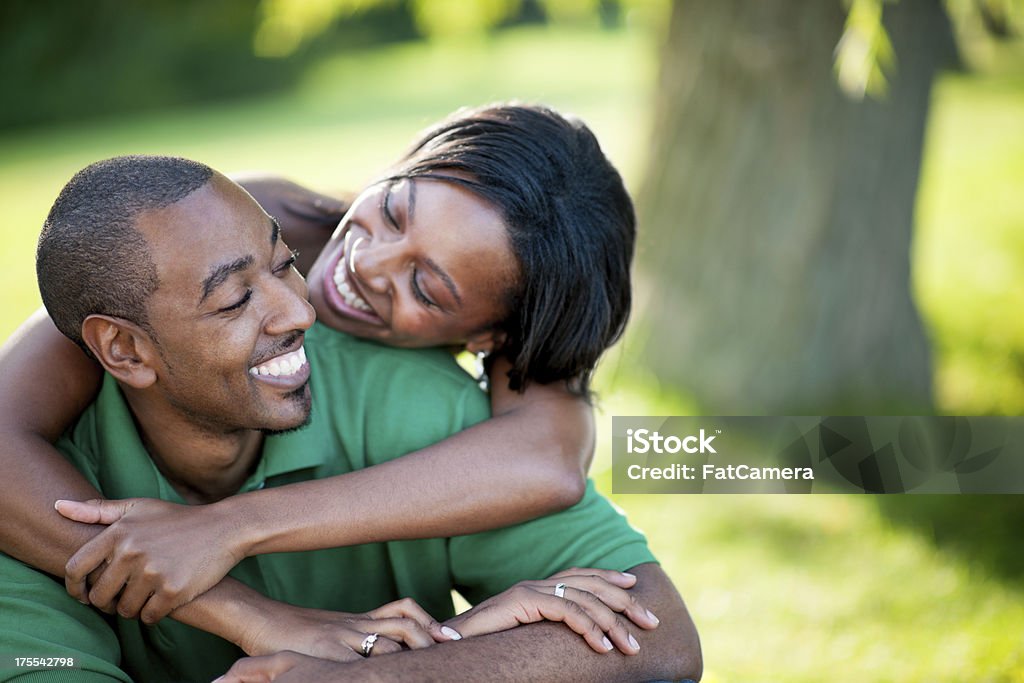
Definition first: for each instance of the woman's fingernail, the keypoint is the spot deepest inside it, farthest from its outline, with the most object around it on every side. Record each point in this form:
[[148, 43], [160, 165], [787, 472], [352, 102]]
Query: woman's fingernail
[[650, 615], [607, 643], [632, 641], [56, 504], [629, 576], [451, 633]]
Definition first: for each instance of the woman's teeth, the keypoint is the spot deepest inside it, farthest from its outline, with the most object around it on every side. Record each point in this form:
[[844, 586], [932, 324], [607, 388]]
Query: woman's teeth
[[345, 289], [283, 365]]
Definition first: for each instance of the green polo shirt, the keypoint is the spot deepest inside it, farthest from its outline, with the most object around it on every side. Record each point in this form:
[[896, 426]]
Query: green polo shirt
[[370, 404]]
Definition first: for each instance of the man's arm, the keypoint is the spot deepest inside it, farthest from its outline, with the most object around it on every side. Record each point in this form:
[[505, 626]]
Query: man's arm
[[535, 652]]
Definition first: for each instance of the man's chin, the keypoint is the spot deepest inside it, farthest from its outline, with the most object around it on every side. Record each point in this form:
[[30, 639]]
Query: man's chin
[[302, 399]]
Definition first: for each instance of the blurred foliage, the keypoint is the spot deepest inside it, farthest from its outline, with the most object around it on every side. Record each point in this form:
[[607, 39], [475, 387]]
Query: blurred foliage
[[73, 60], [864, 52], [864, 55], [287, 25]]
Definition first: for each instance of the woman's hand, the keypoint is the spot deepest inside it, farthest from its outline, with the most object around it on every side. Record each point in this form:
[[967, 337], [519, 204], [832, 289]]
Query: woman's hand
[[153, 557], [592, 602], [340, 636]]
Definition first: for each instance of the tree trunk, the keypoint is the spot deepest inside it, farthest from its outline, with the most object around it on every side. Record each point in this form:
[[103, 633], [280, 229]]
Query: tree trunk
[[782, 211]]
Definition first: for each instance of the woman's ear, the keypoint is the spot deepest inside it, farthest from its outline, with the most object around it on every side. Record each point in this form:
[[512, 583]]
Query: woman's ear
[[123, 348], [486, 341]]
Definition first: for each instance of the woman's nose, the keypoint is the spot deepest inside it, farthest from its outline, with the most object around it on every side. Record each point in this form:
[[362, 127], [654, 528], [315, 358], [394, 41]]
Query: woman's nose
[[375, 262]]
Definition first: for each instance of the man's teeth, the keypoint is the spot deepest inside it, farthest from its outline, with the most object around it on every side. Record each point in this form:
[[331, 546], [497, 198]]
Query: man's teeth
[[345, 289], [282, 366]]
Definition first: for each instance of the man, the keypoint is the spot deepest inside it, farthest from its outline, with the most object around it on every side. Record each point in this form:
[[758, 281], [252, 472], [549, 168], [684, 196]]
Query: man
[[182, 289]]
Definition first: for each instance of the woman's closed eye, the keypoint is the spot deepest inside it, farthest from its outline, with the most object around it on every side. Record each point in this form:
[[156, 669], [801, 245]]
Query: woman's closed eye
[[385, 207], [418, 291]]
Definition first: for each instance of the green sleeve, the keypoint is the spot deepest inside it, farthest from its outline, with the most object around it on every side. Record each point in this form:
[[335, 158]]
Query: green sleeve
[[592, 533], [39, 619]]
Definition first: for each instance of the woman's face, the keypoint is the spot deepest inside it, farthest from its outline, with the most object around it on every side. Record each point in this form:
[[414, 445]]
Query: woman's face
[[417, 262]]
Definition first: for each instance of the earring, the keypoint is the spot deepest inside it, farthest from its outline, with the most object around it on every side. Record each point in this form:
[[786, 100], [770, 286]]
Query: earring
[[480, 368]]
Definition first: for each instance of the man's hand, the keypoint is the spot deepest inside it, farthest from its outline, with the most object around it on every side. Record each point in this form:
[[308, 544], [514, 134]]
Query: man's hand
[[592, 602], [154, 557], [281, 667], [339, 636]]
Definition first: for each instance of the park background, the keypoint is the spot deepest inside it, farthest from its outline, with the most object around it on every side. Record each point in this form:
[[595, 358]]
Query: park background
[[831, 222]]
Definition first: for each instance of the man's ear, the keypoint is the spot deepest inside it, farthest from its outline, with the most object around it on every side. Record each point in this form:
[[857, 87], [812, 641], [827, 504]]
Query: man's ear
[[123, 348], [486, 341]]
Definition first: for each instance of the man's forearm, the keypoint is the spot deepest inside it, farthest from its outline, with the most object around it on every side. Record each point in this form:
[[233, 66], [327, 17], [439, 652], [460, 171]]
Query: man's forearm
[[550, 652]]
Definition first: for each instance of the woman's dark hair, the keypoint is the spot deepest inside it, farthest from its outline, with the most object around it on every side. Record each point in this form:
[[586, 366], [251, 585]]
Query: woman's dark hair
[[570, 223]]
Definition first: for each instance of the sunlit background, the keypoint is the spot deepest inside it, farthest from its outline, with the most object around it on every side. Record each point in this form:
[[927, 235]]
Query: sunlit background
[[328, 92]]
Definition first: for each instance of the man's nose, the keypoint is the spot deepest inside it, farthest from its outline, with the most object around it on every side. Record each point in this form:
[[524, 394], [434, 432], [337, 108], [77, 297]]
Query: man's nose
[[290, 310]]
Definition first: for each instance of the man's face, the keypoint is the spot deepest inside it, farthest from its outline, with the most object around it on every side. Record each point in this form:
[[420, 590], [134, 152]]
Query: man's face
[[229, 313]]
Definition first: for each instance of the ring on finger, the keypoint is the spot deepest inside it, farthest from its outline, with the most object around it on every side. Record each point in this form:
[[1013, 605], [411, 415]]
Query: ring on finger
[[559, 590], [368, 643]]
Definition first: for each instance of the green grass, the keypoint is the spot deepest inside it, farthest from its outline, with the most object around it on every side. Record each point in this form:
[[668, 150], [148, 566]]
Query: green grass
[[827, 588], [836, 588]]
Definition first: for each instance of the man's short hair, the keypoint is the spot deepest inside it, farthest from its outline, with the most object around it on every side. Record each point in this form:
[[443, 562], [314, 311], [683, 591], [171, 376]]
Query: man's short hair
[[91, 259]]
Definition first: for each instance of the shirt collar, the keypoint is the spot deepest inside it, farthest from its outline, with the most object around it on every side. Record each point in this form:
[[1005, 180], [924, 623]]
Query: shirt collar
[[126, 469]]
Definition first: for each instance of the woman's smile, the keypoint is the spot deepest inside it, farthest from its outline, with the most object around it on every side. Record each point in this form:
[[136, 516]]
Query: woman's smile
[[342, 291]]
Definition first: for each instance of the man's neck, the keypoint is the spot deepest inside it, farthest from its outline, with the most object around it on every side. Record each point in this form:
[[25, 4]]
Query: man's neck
[[203, 464]]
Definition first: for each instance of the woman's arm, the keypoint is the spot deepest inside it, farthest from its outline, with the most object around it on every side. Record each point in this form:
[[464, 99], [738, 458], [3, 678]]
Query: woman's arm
[[528, 460], [47, 383], [523, 463]]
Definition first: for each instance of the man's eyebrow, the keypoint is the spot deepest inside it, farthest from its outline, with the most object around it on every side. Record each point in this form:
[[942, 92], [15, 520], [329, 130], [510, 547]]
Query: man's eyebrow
[[221, 273], [448, 282]]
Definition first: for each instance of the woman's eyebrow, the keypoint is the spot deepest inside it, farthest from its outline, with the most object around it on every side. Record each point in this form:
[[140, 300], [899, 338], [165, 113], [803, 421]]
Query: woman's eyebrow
[[445, 278]]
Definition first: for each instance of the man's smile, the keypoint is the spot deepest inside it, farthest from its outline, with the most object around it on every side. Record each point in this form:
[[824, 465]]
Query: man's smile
[[286, 370]]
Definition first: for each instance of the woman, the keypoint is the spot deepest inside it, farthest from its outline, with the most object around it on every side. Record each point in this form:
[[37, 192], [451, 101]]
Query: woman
[[505, 230]]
